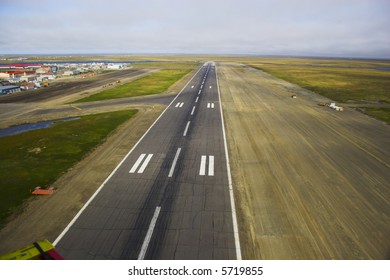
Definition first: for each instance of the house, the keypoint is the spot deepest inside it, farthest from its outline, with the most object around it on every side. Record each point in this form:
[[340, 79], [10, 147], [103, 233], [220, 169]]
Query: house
[[28, 78], [28, 86]]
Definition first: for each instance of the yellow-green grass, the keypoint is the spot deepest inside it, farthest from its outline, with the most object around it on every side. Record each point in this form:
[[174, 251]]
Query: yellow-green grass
[[38, 158], [152, 84], [339, 84], [167, 64], [346, 81]]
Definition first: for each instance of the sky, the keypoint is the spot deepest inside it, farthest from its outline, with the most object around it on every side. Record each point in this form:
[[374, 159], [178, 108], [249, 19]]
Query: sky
[[330, 28]]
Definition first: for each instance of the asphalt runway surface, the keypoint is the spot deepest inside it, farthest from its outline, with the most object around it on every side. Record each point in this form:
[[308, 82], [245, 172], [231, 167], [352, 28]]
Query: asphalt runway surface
[[169, 198]]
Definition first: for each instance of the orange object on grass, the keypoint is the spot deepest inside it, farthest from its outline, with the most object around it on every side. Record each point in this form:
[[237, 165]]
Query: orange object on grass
[[40, 191]]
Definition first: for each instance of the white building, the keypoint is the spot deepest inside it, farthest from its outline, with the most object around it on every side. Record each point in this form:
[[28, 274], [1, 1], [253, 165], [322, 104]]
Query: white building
[[114, 66]]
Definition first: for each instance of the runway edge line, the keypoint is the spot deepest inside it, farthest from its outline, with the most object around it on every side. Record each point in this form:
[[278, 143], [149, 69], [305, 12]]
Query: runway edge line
[[231, 193]]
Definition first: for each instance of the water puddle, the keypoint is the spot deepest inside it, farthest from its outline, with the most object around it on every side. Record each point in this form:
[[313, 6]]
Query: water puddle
[[17, 129]]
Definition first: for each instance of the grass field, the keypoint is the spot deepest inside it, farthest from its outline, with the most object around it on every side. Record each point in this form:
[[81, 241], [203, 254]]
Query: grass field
[[38, 158], [346, 81], [151, 84]]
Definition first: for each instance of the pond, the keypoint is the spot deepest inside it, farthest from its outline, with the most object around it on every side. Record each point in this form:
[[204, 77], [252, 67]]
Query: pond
[[17, 129]]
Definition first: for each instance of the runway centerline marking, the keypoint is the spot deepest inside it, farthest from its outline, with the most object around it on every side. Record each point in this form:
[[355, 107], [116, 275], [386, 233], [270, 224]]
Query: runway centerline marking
[[149, 233], [186, 129], [135, 166], [174, 162], [193, 110], [196, 101]]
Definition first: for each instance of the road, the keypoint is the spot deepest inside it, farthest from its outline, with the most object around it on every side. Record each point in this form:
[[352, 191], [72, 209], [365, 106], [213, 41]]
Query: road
[[169, 198]]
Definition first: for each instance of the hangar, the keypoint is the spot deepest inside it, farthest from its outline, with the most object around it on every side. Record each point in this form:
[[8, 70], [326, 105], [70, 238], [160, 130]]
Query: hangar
[[8, 89]]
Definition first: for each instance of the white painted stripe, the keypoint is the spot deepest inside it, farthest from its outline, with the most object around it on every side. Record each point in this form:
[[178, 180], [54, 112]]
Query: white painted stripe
[[149, 233], [177, 105], [192, 87], [210, 86], [211, 165], [135, 166], [231, 194], [196, 101], [212, 105], [181, 105], [202, 170], [208, 105], [193, 110], [199, 91], [185, 130], [174, 162], [66, 229], [146, 162]]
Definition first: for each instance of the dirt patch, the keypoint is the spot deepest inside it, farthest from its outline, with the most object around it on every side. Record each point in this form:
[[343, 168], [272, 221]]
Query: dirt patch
[[310, 182]]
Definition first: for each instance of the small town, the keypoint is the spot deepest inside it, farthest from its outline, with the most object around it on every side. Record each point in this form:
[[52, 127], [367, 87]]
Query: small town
[[27, 76]]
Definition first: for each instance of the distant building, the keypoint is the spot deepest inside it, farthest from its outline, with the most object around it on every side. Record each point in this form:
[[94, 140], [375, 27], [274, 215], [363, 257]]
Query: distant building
[[28, 86], [28, 78], [4, 75], [71, 72], [8, 89], [115, 66]]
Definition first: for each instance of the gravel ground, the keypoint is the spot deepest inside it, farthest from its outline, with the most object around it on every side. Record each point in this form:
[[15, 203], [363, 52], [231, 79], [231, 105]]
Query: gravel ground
[[310, 182]]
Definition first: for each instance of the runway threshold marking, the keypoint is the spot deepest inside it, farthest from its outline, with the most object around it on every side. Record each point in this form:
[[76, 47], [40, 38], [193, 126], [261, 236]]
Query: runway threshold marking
[[186, 129], [203, 164], [174, 162], [149, 233], [138, 162]]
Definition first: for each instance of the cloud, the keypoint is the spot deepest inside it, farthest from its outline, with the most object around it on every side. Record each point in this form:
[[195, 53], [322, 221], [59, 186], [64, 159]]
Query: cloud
[[282, 27]]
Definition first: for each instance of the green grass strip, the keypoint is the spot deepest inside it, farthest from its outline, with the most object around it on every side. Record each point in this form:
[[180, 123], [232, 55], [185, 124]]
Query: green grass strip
[[38, 158], [153, 84], [378, 113]]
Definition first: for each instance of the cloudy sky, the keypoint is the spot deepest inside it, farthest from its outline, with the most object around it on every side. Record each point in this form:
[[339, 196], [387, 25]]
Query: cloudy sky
[[341, 28]]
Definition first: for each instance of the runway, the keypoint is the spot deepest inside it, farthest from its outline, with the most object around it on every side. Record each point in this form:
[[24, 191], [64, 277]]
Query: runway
[[169, 198]]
